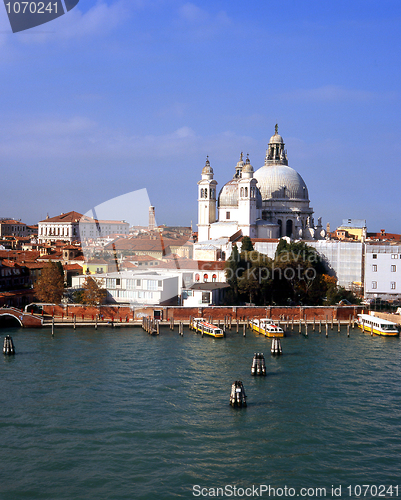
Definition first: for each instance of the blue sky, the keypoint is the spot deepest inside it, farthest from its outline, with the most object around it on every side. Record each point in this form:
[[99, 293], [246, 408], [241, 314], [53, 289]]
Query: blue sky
[[122, 95]]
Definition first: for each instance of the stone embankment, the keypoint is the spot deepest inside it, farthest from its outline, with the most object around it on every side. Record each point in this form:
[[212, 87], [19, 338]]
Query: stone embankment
[[125, 314]]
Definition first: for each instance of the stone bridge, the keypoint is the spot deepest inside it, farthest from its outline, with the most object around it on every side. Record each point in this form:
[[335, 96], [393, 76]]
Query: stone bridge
[[16, 317]]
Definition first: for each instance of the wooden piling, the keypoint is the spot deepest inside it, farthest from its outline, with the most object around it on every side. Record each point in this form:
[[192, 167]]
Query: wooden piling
[[314, 323], [244, 330], [75, 321], [348, 330], [53, 326], [300, 326], [339, 325], [231, 323], [96, 322], [292, 325], [320, 326], [158, 327], [327, 330], [237, 326]]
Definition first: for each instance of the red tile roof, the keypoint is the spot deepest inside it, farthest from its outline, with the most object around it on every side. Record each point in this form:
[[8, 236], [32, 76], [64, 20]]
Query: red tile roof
[[67, 217]]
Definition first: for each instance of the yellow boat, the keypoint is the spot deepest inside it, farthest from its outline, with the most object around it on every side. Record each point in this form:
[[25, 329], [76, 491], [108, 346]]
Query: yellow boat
[[202, 326], [266, 327], [377, 325]]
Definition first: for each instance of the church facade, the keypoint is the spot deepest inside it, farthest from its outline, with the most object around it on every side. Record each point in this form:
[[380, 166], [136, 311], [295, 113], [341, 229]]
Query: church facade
[[270, 203]]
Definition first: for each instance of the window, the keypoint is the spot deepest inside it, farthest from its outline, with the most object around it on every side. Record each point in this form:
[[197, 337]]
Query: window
[[394, 255], [118, 281], [160, 284], [242, 192], [246, 192], [374, 285], [205, 278], [110, 283], [227, 215], [138, 283], [152, 285], [214, 278], [374, 268], [205, 297], [205, 193], [393, 269], [374, 256], [197, 277], [392, 285], [201, 193]]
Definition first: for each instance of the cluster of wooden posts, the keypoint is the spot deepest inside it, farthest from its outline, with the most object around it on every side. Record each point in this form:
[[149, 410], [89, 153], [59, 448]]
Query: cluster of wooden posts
[[151, 325]]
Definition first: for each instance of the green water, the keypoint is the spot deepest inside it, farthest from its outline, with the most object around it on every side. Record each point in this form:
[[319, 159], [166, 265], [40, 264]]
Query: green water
[[118, 414]]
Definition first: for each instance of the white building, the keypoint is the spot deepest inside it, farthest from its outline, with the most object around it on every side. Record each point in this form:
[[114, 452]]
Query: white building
[[269, 203], [73, 226], [132, 288], [383, 271], [63, 227]]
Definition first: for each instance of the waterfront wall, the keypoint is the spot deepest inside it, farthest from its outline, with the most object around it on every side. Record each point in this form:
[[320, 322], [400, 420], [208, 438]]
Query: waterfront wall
[[395, 318], [241, 313]]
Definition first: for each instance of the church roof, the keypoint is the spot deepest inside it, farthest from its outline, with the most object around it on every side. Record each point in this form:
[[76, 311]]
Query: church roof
[[281, 181], [228, 196]]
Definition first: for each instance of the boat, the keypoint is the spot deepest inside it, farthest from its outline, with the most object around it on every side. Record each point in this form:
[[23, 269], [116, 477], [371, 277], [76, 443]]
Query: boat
[[377, 325], [202, 326], [266, 327]]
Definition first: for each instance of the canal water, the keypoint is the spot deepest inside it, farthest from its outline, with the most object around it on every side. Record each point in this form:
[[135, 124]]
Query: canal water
[[118, 414]]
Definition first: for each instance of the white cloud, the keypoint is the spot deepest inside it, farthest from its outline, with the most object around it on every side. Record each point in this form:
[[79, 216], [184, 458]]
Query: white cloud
[[334, 93]]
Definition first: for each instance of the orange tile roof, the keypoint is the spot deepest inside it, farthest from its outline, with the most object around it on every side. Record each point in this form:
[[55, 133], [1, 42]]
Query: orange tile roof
[[67, 217]]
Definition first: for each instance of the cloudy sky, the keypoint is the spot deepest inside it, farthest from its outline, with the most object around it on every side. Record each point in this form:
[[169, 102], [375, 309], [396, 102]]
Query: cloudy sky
[[122, 95]]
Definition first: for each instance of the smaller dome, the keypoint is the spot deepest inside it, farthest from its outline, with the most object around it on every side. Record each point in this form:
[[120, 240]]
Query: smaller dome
[[276, 139], [248, 167], [207, 169], [228, 196]]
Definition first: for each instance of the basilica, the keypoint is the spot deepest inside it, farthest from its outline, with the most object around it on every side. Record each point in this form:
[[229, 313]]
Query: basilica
[[270, 203]]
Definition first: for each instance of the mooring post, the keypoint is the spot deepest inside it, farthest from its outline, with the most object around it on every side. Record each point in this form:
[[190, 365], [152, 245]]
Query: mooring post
[[158, 327], [314, 323], [203, 328], [327, 330], [96, 322], [237, 325], [306, 329], [347, 330], [231, 322], [292, 324], [75, 321], [53, 326], [320, 326], [244, 330], [300, 326]]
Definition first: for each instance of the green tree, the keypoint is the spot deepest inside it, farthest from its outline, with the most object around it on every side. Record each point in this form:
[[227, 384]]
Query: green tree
[[50, 285], [93, 294], [247, 245]]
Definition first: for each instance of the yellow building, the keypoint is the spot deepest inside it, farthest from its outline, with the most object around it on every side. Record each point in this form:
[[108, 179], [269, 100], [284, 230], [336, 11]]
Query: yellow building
[[356, 228], [98, 266]]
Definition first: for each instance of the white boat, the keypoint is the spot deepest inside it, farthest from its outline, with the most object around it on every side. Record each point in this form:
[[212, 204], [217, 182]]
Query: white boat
[[377, 325], [267, 327], [202, 326]]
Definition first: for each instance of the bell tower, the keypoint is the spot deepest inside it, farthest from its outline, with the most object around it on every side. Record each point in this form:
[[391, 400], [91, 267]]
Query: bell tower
[[206, 202], [247, 202]]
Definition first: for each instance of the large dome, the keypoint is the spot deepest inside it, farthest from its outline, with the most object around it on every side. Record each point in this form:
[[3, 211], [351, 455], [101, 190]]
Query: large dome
[[281, 181]]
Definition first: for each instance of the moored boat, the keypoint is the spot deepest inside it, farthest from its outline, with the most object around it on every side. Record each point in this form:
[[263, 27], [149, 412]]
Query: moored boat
[[202, 326], [266, 327], [376, 325]]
